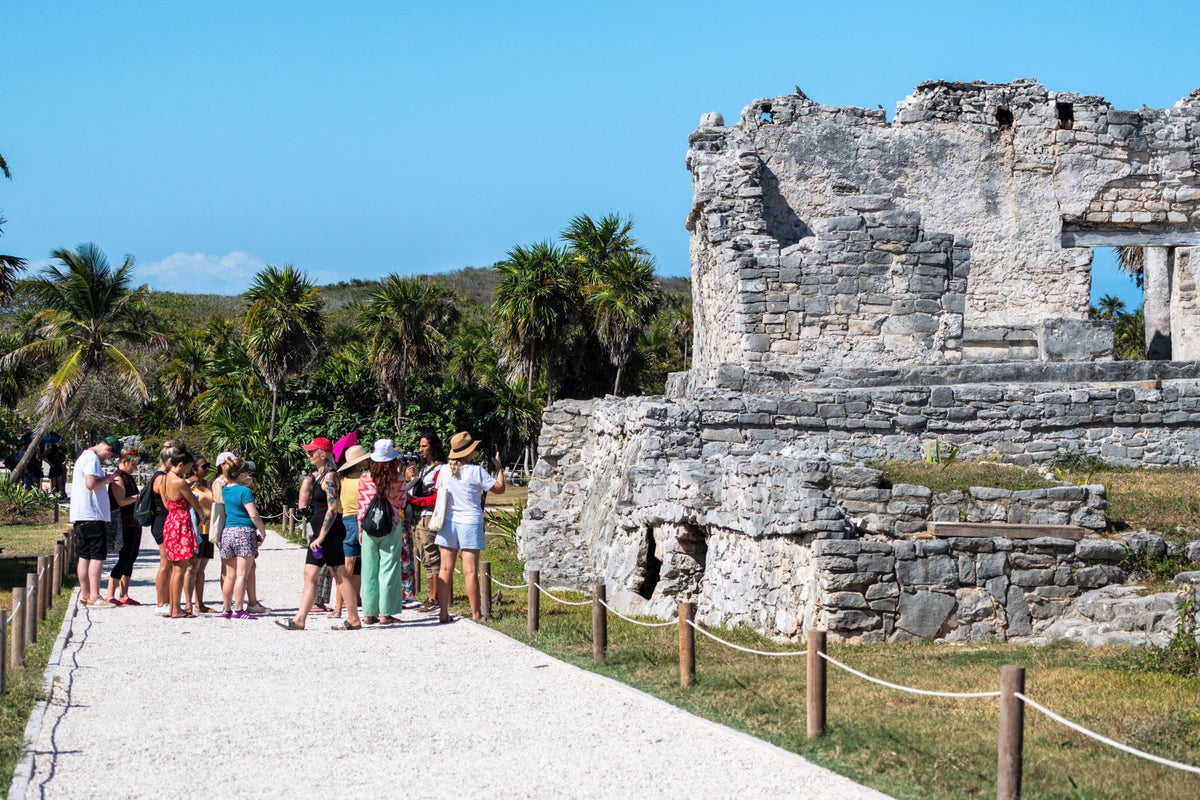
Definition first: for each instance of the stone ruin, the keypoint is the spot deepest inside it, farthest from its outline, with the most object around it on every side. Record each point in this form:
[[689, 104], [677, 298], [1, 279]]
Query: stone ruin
[[866, 289]]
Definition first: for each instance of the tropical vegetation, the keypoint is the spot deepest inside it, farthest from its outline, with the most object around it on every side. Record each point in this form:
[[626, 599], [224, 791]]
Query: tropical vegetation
[[84, 352]]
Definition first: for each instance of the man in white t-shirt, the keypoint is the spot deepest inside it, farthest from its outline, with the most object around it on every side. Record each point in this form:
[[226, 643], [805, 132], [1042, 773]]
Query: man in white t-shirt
[[90, 515]]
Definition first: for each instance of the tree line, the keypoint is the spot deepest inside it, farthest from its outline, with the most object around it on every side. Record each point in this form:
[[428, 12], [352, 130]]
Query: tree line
[[84, 350]]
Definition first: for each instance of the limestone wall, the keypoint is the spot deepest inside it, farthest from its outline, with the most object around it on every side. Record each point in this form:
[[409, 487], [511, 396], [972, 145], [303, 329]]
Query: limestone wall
[[828, 235], [639, 494]]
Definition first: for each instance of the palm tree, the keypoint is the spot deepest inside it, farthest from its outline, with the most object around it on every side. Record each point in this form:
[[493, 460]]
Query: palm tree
[[1110, 306], [88, 312], [623, 298], [593, 244], [183, 378], [1131, 259], [535, 303], [282, 327], [515, 418], [404, 321], [10, 266], [472, 354]]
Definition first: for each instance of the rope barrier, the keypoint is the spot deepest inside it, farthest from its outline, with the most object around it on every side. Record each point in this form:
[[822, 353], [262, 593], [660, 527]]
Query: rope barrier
[[638, 622], [560, 600], [15, 609], [1124, 747], [746, 649], [509, 585], [909, 689]]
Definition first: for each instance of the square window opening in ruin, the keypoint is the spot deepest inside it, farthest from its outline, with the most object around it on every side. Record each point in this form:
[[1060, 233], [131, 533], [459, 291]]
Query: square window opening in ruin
[[766, 117], [1066, 115], [1115, 290], [651, 566], [1004, 118]]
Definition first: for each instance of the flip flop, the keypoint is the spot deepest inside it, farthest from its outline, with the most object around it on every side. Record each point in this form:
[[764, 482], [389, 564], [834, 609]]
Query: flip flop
[[129, 601], [447, 620], [346, 626], [181, 616], [289, 625]]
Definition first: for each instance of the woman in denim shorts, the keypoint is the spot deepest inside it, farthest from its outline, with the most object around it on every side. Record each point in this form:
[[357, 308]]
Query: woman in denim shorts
[[464, 484]]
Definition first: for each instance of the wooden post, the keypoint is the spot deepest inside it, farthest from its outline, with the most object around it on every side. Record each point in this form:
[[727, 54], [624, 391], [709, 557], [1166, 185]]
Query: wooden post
[[1012, 733], [687, 644], [57, 569], [418, 568], [31, 608], [485, 591], [599, 623], [43, 586], [532, 620], [3, 651], [55, 512], [18, 628], [816, 684]]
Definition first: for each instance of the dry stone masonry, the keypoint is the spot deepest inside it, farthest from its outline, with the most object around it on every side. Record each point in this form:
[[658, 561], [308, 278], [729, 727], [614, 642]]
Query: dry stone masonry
[[866, 289]]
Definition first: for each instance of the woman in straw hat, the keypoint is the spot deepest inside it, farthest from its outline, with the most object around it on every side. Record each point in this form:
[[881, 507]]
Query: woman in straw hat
[[465, 484], [351, 470]]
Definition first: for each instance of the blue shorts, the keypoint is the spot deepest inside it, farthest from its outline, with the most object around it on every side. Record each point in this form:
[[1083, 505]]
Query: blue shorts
[[350, 547], [462, 536]]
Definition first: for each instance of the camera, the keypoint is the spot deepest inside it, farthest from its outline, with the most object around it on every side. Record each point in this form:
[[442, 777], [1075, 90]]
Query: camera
[[409, 458]]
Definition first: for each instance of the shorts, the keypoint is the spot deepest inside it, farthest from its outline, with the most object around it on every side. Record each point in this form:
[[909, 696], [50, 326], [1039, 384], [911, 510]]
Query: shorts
[[350, 546], [462, 536], [332, 553], [237, 541], [427, 548], [91, 539], [206, 550], [156, 528]]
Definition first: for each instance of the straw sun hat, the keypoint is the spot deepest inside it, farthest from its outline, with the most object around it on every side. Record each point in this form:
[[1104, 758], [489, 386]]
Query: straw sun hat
[[355, 454], [462, 446]]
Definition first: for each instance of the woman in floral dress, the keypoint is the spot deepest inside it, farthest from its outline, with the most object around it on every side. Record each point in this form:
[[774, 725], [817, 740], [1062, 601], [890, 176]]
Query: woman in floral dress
[[179, 536]]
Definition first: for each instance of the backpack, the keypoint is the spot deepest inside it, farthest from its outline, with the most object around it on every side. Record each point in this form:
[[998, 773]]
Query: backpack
[[377, 521], [145, 509]]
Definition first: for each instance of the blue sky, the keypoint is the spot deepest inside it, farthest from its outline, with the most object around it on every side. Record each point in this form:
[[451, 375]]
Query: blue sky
[[356, 139]]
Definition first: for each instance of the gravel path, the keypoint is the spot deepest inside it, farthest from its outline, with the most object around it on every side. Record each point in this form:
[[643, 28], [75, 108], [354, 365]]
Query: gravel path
[[149, 707]]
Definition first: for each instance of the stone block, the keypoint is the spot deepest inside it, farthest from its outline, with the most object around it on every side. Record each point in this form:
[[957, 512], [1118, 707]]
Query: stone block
[[845, 600], [927, 571], [924, 613], [1020, 622], [876, 562], [1098, 575], [1104, 550], [1032, 577], [852, 620], [1148, 543]]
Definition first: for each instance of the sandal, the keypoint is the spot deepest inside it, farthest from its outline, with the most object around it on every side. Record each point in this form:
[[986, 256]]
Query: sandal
[[204, 609], [427, 606], [369, 620], [334, 615], [386, 620], [289, 625], [188, 615], [346, 626], [446, 620]]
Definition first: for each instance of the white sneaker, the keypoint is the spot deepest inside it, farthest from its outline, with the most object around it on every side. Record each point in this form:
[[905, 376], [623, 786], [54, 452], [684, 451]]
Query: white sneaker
[[164, 610]]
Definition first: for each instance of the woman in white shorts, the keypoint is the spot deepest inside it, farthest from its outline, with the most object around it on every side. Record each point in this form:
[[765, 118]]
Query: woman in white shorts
[[465, 485]]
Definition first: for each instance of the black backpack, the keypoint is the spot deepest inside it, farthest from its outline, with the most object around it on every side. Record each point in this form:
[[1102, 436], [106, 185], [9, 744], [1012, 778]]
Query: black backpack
[[377, 521], [145, 508]]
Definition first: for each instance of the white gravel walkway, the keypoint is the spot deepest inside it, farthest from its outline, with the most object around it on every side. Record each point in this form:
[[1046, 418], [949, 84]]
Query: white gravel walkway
[[146, 707]]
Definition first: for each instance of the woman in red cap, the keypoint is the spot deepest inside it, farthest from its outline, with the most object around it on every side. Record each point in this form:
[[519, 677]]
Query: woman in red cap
[[325, 548]]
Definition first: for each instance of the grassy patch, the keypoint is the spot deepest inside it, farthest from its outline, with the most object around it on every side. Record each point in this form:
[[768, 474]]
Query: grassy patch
[[962, 475], [22, 544], [907, 746], [1162, 500], [25, 687]]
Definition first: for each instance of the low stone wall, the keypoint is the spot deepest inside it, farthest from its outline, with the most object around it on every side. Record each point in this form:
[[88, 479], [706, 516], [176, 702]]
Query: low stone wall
[[632, 492], [1128, 425]]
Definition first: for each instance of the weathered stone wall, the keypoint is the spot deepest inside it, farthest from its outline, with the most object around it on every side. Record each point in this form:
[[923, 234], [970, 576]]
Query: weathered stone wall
[[635, 493], [841, 238]]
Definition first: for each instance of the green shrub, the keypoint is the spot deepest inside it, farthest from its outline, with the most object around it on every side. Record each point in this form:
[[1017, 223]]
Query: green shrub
[[19, 502]]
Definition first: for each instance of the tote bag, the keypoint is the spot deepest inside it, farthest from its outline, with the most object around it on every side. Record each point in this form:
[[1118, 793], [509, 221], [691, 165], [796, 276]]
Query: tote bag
[[439, 511]]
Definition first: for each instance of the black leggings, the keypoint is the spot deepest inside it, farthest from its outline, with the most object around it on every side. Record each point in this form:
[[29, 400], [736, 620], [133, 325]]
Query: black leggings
[[129, 552]]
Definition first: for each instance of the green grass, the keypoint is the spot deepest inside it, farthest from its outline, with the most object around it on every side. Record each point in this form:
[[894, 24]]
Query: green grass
[[905, 745], [962, 475], [25, 687], [22, 544]]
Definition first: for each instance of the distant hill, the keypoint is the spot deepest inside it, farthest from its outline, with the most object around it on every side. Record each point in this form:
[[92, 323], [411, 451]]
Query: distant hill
[[473, 285]]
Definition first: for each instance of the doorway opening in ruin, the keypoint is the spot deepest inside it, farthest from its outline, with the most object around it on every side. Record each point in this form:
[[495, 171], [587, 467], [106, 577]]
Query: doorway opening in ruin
[[651, 567]]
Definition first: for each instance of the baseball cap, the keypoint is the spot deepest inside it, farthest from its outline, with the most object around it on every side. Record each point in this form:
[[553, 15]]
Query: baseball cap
[[319, 443], [114, 443]]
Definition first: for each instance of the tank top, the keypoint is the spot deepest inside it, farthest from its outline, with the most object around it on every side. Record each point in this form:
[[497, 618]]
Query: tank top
[[131, 490], [320, 507], [349, 495]]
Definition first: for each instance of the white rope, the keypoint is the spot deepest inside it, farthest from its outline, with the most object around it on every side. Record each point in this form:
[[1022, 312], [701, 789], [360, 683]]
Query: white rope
[[1080, 729], [637, 622], [908, 689], [746, 649], [15, 609], [560, 600], [509, 585]]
